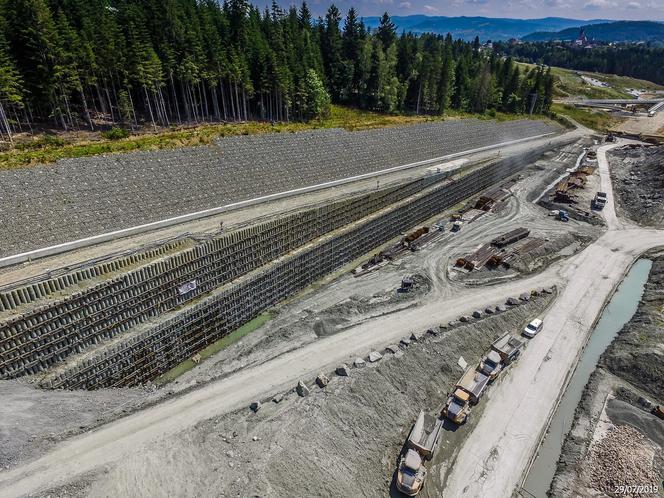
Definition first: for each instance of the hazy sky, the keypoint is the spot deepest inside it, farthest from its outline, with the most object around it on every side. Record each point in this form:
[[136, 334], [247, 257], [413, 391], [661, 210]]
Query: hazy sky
[[577, 9]]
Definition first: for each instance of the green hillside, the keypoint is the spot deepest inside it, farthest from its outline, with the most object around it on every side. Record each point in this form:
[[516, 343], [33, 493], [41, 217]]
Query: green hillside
[[620, 31]]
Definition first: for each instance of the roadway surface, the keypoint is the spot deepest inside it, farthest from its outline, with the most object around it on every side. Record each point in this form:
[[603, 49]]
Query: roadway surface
[[496, 454]]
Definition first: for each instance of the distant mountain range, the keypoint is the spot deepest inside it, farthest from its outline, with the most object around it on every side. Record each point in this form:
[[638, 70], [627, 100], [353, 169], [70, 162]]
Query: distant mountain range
[[619, 31], [487, 28]]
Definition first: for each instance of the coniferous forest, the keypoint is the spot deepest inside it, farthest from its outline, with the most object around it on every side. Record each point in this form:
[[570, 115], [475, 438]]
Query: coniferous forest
[[86, 64]]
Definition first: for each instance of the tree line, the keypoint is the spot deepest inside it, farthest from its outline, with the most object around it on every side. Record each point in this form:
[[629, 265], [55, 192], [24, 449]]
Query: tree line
[[71, 64], [642, 61]]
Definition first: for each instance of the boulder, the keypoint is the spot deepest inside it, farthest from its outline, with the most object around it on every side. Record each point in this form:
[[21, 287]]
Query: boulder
[[255, 406], [453, 323], [524, 297], [405, 341], [512, 301], [359, 362], [477, 314], [413, 337], [343, 370], [500, 308], [432, 332], [302, 389], [392, 348], [322, 380], [278, 398], [489, 310], [464, 318], [375, 356]]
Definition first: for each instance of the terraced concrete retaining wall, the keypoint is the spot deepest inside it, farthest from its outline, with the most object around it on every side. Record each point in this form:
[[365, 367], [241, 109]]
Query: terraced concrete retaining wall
[[158, 346], [55, 329]]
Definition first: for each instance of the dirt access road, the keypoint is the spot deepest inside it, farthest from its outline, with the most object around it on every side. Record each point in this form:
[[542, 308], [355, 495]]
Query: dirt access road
[[95, 450], [642, 123], [495, 457]]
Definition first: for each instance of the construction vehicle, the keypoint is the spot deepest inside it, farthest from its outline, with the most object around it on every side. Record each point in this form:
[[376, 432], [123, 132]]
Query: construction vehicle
[[457, 407], [411, 473], [420, 446], [456, 226], [599, 201], [504, 351], [563, 215], [467, 392], [425, 435]]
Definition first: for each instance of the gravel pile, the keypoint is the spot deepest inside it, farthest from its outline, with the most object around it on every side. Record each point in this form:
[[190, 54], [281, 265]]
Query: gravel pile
[[624, 457], [76, 198], [638, 181]]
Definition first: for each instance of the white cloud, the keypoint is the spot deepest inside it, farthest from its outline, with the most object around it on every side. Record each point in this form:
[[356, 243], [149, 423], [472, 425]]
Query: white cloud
[[599, 4], [405, 5], [559, 4], [633, 5], [430, 8]]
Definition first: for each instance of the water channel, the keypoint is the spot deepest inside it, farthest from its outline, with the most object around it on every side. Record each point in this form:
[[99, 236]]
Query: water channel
[[616, 314]]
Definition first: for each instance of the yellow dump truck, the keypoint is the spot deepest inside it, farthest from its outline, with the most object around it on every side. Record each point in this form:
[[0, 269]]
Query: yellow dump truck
[[420, 446], [467, 392]]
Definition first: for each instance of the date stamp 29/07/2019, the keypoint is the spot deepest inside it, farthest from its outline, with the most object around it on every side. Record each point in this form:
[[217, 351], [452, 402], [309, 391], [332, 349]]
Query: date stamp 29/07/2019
[[637, 489]]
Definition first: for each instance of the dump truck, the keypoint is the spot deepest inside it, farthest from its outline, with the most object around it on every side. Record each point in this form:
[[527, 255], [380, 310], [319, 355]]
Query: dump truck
[[504, 351], [474, 383], [599, 200], [457, 407], [411, 473], [425, 435], [563, 215], [467, 392], [420, 446]]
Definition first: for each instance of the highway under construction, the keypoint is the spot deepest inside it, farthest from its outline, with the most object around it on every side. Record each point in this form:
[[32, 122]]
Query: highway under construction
[[273, 322]]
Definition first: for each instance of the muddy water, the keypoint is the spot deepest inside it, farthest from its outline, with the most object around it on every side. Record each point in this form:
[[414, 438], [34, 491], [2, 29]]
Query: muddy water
[[617, 313]]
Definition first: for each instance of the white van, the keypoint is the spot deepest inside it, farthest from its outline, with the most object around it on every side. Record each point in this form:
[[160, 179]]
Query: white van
[[533, 328]]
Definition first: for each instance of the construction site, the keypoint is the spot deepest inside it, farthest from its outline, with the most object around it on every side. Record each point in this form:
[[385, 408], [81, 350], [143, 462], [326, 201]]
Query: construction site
[[324, 313]]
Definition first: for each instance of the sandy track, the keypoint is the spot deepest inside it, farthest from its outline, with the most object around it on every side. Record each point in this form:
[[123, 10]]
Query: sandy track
[[497, 453]]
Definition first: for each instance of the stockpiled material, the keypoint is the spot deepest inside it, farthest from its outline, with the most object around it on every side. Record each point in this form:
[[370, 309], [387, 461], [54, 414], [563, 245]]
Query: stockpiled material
[[624, 457], [77, 198]]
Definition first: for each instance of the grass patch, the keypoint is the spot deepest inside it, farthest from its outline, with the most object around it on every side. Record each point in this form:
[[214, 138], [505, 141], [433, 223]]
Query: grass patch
[[214, 348], [596, 120], [568, 83], [46, 149]]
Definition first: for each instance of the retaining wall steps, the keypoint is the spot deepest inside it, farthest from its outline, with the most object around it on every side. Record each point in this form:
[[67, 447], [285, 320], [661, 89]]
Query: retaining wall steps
[[150, 349]]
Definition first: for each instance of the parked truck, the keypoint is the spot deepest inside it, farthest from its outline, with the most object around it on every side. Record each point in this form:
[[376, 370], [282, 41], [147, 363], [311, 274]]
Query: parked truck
[[599, 200], [467, 392], [504, 351], [421, 445]]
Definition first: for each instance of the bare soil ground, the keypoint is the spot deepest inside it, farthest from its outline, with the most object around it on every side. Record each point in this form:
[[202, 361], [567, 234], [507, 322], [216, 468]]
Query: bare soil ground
[[637, 173], [32, 421], [612, 418], [343, 440]]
